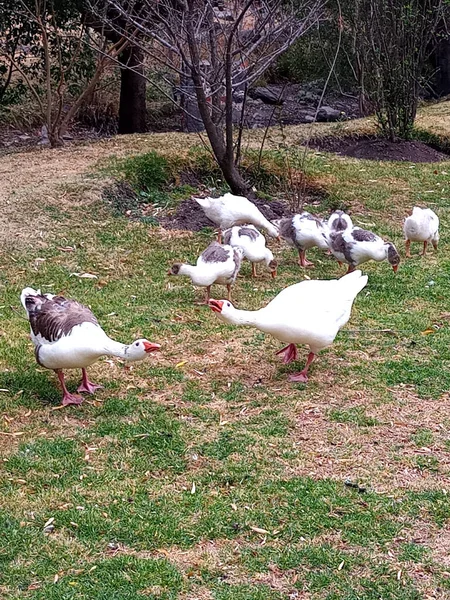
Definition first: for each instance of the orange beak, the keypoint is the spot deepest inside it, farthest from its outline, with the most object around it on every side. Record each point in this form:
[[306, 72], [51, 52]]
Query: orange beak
[[150, 347], [169, 272], [274, 274], [395, 268], [216, 305]]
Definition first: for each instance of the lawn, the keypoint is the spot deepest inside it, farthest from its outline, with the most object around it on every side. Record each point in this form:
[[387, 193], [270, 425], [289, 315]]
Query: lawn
[[202, 473]]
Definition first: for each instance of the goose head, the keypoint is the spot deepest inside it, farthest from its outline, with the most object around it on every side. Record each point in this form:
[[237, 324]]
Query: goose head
[[392, 255], [224, 309], [175, 269], [272, 230], [139, 349]]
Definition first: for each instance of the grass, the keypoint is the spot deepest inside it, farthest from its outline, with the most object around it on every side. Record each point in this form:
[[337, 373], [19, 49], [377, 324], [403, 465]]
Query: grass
[[201, 472]]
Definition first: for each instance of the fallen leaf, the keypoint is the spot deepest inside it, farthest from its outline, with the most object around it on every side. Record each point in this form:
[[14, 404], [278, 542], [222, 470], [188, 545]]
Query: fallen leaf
[[49, 522], [180, 364], [428, 331], [259, 530], [84, 275], [193, 488]]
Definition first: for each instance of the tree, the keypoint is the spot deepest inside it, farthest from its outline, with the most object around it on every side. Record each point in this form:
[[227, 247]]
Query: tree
[[44, 45], [216, 49], [132, 99], [394, 43]]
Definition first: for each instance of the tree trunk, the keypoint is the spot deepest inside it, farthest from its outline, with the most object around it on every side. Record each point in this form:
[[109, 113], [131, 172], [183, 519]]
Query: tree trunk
[[132, 110], [442, 58], [233, 177]]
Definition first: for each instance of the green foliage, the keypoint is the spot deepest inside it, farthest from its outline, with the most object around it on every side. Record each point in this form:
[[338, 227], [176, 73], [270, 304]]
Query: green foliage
[[145, 172], [394, 39]]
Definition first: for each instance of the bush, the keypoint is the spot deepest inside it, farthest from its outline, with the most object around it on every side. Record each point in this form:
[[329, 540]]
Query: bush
[[147, 172]]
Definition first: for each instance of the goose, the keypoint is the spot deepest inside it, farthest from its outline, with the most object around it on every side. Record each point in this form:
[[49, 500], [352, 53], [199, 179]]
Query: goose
[[303, 231], [253, 246], [356, 246], [217, 264], [66, 335], [310, 312], [421, 226], [230, 210], [339, 221]]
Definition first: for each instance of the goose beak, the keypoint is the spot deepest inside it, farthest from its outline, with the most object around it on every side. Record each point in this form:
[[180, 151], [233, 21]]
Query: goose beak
[[395, 268], [169, 272], [150, 347], [215, 305], [274, 274]]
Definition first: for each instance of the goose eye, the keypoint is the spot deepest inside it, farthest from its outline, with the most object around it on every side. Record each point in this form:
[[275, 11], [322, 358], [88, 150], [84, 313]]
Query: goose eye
[[137, 344]]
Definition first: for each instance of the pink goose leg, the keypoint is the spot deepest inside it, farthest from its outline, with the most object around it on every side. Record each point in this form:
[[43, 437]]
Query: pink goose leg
[[290, 353], [302, 377], [86, 385], [68, 398], [303, 262]]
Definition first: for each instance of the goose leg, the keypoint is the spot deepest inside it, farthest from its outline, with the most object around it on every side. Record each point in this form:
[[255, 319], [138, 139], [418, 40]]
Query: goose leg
[[408, 248], [219, 236], [290, 353], [302, 377], [303, 262], [208, 294], [425, 244], [254, 270], [435, 245], [229, 291], [86, 385], [67, 398], [350, 269]]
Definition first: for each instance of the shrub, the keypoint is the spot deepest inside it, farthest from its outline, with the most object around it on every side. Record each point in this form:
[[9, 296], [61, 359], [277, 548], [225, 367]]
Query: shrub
[[146, 172]]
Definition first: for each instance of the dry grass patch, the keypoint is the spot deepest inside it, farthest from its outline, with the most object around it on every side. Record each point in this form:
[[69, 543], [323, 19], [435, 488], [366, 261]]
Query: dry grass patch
[[381, 454]]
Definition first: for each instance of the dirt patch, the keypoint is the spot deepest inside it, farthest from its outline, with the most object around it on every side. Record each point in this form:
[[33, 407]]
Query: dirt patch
[[383, 456], [369, 148], [190, 215]]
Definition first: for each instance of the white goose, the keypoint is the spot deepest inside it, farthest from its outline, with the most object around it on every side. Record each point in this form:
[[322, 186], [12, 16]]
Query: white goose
[[230, 210], [216, 264], [67, 335], [356, 246], [339, 220], [311, 312], [303, 231], [421, 226], [253, 245]]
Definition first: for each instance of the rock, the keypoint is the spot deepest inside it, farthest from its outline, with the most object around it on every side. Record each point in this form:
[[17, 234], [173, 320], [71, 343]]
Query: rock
[[266, 95], [238, 97], [113, 546], [309, 119], [308, 97], [49, 529], [327, 114]]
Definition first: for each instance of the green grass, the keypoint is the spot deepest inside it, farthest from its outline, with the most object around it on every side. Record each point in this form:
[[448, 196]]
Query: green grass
[[202, 470]]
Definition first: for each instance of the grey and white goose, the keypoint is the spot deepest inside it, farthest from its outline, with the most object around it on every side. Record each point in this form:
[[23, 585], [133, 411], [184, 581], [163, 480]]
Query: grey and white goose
[[253, 245], [339, 221], [217, 264], [303, 231], [66, 335], [356, 246]]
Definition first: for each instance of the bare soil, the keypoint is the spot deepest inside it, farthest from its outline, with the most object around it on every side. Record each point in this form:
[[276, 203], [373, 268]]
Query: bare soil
[[373, 148]]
